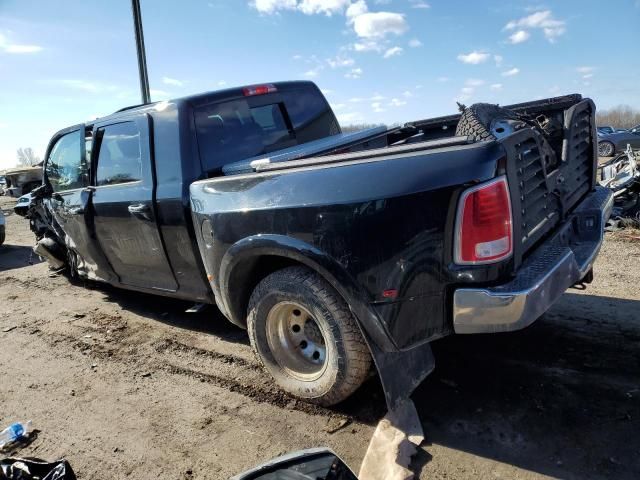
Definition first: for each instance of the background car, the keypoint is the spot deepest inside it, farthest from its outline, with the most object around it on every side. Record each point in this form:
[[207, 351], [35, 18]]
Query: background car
[[606, 129], [22, 205], [611, 143]]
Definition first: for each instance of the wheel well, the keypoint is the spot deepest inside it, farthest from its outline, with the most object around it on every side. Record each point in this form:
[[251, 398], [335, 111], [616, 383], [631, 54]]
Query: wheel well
[[246, 276]]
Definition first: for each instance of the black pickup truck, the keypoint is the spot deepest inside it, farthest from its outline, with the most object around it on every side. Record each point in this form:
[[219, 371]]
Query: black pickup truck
[[332, 249]]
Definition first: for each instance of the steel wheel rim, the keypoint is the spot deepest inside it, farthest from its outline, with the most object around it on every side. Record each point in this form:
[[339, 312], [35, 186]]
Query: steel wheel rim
[[296, 341], [605, 149]]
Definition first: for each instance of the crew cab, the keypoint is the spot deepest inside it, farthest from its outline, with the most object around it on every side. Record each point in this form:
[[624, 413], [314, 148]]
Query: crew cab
[[332, 249]]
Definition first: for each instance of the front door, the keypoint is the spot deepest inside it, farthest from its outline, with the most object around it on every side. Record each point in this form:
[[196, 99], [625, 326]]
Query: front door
[[123, 204], [67, 173]]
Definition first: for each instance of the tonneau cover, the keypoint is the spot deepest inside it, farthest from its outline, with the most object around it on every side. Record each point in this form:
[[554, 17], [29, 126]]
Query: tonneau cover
[[316, 147]]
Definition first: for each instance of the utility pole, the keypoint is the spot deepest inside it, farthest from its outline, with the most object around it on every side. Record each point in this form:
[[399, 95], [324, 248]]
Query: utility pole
[[142, 58]]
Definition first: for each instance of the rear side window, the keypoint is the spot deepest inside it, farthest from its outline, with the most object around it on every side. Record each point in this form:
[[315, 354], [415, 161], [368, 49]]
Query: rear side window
[[244, 128], [310, 114], [65, 169], [119, 158]]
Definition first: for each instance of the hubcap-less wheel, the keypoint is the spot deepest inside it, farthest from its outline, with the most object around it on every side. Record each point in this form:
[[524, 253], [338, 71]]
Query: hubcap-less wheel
[[605, 149], [296, 341], [303, 333]]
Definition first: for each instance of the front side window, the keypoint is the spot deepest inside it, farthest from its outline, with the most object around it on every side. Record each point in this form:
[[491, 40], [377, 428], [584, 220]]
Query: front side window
[[119, 158], [65, 169]]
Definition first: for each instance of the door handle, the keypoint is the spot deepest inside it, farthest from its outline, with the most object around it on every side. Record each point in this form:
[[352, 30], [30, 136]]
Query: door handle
[[140, 210]]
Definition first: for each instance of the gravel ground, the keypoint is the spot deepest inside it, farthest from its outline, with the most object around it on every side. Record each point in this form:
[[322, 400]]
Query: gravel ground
[[128, 385]]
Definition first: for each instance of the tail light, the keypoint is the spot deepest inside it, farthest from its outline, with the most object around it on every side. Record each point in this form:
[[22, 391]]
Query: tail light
[[259, 90], [484, 232]]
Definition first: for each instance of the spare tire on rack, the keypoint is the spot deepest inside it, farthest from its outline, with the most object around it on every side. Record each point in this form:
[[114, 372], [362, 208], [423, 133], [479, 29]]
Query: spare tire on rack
[[485, 121]]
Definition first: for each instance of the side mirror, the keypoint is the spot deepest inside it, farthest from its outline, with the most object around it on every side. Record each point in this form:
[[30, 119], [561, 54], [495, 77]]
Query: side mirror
[[311, 464]]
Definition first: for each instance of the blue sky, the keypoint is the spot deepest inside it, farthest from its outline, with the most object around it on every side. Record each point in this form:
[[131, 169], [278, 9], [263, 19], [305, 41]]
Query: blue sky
[[378, 61]]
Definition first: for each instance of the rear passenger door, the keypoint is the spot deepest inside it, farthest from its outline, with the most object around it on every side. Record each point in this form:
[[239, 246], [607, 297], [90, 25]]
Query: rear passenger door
[[124, 204]]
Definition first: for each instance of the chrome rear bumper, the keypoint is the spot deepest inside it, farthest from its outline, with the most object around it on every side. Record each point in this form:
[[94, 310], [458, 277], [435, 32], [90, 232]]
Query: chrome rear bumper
[[560, 262]]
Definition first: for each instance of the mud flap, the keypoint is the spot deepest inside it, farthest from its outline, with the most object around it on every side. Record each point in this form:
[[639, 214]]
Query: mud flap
[[401, 372], [399, 434]]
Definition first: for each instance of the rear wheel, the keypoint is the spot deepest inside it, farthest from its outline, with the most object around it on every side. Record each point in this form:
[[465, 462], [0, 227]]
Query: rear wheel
[[304, 335], [606, 149]]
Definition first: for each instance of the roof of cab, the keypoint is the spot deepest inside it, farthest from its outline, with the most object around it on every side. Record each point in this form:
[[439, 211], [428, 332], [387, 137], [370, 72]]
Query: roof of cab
[[206, 97]]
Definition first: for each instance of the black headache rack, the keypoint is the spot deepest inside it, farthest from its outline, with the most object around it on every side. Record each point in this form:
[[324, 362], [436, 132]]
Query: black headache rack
[[546, 184]]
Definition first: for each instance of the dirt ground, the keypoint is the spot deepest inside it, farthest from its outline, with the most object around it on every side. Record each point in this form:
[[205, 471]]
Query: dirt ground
[[128, 385]]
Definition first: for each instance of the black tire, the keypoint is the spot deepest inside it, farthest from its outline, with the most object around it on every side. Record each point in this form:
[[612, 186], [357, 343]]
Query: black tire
[[347, 360], [606, 149], [476, 120], [2, 234]]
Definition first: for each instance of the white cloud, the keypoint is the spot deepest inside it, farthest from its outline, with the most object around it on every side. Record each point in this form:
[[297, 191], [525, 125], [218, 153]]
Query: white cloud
[[340, 61], [377, 107], [368, 46], [338, 106], [354, 73], [377, 97], [415, 43], [498, 59], [465, 94], [85, 86], [308, 7], [297, 57], [407, 94], [158, 93], [392, 52], [356, 100], [397, 102], [474, 82], [379, 24], [15, 48], [543, 20], [443, 79], [349, 117], [519, 37], [326, 7], [419, 4], [272, 6], [585, 69], [474, 58], [356, 9], [326, 91], [511, 73], [496, 86], [172, 81], [222, 83], [312, 73], [587, 75]]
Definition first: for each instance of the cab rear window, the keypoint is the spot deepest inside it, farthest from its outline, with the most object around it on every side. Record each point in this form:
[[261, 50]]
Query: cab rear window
[[238, 129]]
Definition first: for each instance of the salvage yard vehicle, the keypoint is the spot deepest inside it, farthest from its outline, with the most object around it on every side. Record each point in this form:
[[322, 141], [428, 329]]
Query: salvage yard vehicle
[[22, 205], [332, 249], [616, 142]]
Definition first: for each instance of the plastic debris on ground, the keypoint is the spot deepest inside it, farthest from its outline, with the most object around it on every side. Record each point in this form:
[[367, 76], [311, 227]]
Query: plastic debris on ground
[[35, 469]]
